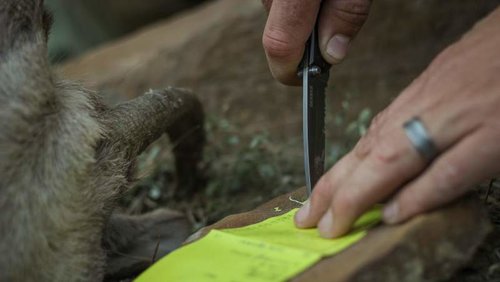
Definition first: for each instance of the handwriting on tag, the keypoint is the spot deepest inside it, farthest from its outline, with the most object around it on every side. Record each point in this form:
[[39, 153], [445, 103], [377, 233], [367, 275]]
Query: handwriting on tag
[[271, 250]]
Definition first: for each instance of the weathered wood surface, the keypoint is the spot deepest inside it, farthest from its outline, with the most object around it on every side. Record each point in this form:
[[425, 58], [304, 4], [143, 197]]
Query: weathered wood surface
[[216, 50], [430, 247]]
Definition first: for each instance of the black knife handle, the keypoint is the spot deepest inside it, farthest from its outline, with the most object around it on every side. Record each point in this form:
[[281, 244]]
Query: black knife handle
[[315, 57]]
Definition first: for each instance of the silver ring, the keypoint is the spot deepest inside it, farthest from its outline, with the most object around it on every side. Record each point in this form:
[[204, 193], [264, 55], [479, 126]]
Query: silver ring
[[416, 132]]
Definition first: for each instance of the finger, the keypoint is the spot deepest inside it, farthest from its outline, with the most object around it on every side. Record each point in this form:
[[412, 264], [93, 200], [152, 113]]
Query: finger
[[309, 215], [388, 163], [340, 21], [288, 27], [327, 186], [451, 175]]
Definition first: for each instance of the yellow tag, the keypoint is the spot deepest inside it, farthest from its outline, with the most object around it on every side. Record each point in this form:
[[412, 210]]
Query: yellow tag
[[272, 250]]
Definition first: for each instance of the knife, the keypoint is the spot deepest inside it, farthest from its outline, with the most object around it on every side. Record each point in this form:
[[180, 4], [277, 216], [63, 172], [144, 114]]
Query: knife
[[315, 72]]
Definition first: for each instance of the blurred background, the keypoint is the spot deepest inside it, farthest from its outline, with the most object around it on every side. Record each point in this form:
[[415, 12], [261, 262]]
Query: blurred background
[[81, 25], [254, 152]]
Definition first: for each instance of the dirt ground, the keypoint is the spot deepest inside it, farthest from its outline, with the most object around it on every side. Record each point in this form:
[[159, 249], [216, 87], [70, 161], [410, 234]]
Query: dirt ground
[[485, 265]]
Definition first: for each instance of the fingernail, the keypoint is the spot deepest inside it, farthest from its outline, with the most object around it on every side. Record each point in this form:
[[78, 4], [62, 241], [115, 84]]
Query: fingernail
[[325, 226], [303, 213], [337, 46], [391, 212]]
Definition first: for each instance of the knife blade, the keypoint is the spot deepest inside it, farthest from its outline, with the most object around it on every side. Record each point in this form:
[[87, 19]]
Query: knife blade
[[315, 74]]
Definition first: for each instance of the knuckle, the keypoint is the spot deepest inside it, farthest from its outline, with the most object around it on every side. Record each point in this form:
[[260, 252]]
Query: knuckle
[[377, 121], [278, 44], [363, 147], [355, 6], [385, 153], [354, 12], [387, 149], [367, 141], [446, 175]]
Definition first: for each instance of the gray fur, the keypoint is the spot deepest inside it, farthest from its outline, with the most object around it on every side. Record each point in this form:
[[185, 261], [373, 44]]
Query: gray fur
[[65, 157]]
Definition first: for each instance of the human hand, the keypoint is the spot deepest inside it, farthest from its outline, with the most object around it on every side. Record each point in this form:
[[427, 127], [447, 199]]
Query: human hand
[[291, 22], [458, 100]]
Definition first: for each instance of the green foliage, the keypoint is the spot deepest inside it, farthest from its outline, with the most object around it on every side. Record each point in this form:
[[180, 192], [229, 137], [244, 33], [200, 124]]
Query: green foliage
[[238, 163], [348, 129], [243, 168]]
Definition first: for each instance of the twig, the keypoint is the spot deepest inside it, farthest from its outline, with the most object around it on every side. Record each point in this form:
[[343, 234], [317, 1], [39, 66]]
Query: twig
[[153, 259], [115, 252], [490, 186], [184, 136], [296, 201]]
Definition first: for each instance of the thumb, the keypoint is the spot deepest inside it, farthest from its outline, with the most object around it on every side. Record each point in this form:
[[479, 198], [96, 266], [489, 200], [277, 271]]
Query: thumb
[[340, 21]]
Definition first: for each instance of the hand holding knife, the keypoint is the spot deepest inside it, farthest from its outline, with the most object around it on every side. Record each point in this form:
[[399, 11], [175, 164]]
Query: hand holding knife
[[315, 72]]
